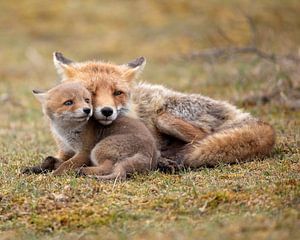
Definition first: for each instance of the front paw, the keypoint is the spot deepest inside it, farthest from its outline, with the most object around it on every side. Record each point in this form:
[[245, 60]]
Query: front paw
[[49, 163], [34, 170], [169, 166], [58, 172], [80, 172]]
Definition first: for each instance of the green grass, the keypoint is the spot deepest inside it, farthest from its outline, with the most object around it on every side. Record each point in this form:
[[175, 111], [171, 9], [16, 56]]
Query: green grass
[[255, 200]]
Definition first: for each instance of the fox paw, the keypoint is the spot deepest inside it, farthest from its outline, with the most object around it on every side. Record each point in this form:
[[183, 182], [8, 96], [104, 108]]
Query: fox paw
[[79, 172], [47, 165], [168, 165], [34, 170], [110, 177]]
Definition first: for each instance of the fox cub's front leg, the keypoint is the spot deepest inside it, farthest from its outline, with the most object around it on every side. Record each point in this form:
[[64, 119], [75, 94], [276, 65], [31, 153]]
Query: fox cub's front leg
[[48, 164], [78, 160], [178, 128], [104, 168]]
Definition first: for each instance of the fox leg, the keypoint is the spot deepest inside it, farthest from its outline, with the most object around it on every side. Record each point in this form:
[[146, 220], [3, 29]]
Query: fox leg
[[233, 145], [48, 164], [76, 161], [103, 169], [178, 128], [136, 164], [60, 158]]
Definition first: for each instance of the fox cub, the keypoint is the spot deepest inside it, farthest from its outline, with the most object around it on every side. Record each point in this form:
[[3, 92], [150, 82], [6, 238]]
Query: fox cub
[[124, 147], [191, 129]]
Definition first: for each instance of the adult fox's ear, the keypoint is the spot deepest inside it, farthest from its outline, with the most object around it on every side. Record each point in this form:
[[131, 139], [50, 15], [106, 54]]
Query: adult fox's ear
[[134, 68], [63, 65], [40, 95]]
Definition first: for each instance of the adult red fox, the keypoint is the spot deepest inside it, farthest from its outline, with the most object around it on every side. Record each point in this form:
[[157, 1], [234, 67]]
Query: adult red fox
[[208, 132]]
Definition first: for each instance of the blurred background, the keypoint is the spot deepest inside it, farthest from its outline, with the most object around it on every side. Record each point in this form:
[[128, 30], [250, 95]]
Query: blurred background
[[246, 51], [243, 51]]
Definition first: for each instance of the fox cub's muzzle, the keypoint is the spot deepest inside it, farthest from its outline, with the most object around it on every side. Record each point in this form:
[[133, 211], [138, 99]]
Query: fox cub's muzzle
[[87, 111]]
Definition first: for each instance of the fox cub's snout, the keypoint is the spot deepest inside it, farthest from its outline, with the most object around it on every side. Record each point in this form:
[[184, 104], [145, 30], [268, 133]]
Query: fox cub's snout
[[68, 102]]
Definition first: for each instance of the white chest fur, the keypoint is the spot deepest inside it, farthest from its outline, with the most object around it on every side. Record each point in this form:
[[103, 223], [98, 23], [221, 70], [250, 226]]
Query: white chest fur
[[69, 137]]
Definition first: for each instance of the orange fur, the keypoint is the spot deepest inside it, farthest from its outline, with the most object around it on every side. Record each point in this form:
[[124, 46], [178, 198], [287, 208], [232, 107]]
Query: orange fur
[[124, 147], [231, 146], [206, 131]]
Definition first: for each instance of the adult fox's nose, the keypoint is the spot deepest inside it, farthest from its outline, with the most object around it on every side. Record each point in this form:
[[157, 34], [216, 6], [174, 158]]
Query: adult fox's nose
[[87, 111], [107, 111]]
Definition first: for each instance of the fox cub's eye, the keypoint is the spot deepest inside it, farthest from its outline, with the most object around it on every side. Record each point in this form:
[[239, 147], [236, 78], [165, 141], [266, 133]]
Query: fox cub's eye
[[117, 93], [68, 103], [87, 100]]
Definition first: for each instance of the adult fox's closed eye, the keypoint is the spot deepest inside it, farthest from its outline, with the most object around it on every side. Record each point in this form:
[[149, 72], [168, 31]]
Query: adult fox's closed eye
[[209, 132]]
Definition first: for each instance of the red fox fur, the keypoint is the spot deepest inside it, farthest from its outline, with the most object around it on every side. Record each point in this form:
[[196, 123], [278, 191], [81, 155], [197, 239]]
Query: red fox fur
[[208, 132], [123, 147]]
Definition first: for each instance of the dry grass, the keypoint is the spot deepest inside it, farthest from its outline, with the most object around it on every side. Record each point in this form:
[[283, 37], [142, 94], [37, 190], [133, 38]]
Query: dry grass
[[259, 199]]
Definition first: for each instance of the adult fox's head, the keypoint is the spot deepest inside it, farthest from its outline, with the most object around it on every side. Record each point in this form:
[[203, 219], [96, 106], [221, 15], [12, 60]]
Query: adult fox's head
[[108, 83], [67, 103]]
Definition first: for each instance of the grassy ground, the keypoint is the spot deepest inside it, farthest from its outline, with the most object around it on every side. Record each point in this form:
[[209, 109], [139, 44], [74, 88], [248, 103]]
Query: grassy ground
[[260, 199]]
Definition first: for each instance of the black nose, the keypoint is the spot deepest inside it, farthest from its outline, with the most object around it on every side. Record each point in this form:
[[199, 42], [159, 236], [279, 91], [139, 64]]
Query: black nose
[[87, 111], [107, 111]]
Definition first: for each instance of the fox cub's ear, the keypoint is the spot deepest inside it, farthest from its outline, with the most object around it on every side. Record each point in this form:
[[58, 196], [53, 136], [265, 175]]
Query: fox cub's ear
[[134, 68], [62, 64], [40, 95]]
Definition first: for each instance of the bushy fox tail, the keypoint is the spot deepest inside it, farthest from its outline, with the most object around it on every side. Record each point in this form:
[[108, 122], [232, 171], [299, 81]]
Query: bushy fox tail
[[234, 145]]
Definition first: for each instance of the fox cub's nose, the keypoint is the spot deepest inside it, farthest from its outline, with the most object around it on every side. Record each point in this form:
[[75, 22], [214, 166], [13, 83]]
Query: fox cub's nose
[[107, 111], [87, 111]]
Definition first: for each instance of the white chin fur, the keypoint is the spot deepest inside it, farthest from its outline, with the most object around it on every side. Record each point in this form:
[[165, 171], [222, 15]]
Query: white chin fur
[[103, 122], [81, 119]]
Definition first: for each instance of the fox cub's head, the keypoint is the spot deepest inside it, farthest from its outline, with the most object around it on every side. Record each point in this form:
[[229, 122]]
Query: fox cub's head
[[66, 103], [108, 83]]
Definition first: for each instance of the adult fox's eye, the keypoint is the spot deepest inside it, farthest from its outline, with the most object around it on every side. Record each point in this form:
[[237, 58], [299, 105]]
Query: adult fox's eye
[[68, 103], [87, 100], [117, 93]]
